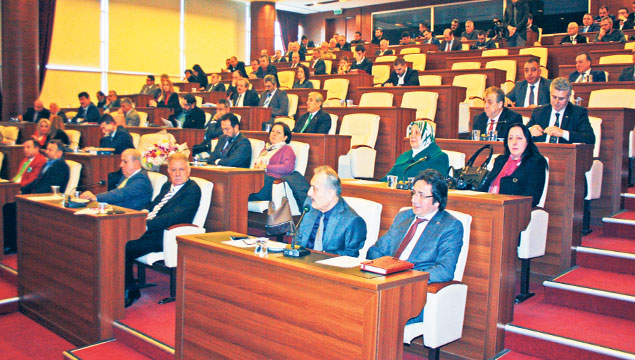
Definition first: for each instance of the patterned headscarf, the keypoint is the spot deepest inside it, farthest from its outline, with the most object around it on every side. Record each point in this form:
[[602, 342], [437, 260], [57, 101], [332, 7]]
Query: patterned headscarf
[[427, 135]]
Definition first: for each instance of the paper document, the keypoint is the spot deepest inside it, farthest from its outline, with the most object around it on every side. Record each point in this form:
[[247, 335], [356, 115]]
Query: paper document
[[87, 211], [46, 198], [167, 123], [361, 182], [341, 261], [466, 192]]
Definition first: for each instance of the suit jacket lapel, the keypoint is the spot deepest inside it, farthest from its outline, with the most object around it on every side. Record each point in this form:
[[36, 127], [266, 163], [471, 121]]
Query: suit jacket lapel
[[329, 231], [432, 228], [566, 117]]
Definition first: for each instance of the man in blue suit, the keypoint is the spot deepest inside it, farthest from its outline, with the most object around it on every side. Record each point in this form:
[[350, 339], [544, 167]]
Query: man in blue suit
[[427, 235], [330, 225], [133, 191], [233, 148], [116, 137], [583, 72], [534, 90], [275, 99]]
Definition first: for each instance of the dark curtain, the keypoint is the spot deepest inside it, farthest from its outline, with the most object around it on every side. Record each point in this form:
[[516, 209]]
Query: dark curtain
[[47, 16], [288, 27]]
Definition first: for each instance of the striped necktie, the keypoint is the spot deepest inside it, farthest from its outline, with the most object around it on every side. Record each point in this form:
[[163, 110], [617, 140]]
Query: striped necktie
[[160, 205]]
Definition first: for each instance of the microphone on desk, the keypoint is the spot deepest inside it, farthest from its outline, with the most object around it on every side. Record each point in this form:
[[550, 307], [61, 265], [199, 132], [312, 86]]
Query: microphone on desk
[[294, 250]]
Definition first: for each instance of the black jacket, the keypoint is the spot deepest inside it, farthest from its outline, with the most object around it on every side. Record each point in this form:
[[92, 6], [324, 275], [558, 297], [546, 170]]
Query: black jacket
[[505, 120], [120, 142], [320, 124], [527, 180], [575, 119], [410, 79], [251, 98], [56, 174], [30, 113], [238, 153]]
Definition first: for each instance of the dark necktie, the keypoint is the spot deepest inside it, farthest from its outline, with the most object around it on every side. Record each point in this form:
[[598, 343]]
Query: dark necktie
[[311, 243], [409, 235], [553, 139], [226, 147], [531, 95]]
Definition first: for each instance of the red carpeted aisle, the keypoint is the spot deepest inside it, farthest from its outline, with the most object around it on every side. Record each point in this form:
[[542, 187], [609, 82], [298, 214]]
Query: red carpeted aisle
[[610, 243], [602, 280], [111, 349], [11, 261], [7, 290], [23, 338]]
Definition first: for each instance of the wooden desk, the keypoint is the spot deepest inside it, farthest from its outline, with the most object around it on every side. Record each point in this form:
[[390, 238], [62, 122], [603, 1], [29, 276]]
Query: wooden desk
[[95, 168], [8, 191], [616, 124], [323, 150], [13, 154], [91, 133], [614, 70], [489, 273], [393, 124], [187, 86], [447, 113], [355, 81], [495, 77], [396, 49], [71, 268], [140, 100], [232, 186], [303, 95], [520, 62], [26, 129], [277, 307], [564, 202], [583, 90], [251, 117]]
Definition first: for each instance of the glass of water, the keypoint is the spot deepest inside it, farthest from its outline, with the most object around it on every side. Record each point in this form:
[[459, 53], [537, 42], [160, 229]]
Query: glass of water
[[261, 247], [55, 189], [476, 135], [492, 135], [392, 181]]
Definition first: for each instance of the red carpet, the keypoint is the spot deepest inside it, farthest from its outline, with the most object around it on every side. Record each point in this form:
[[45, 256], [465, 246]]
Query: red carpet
[[598, 279], [7, 290], [111, 349], [23, 338], [610, 243], [11, 261], [512, 355], [625, 215]]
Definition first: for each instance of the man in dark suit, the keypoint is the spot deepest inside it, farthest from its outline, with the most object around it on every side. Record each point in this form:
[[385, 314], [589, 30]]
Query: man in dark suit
[[516, 21], [342, 44], [623, 22], [361, 62], [133, 191], [278, 58], [54, 172], [482, 42], [383, 49], [275, 99], [35, 113], [267, 69], [212, 130], [627, 74], [532, 91], [114, 137], [588, 25], [317, 64], [235, 65], [330, 225], [87, 111], [176, 203], [112, 102], [469, 33], [192, 116], [402, 75], [495, 115], [243, 96], [379, 36], [450, 43], [583, 72], [603, 11], [426, 235], [233, 149], [429, 39], [215, 84], [572, 36], [315, 120], [150, 88], [357, 38], [561, 122]]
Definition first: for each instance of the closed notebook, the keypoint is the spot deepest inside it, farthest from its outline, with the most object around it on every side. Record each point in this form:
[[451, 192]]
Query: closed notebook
[[386, 265]]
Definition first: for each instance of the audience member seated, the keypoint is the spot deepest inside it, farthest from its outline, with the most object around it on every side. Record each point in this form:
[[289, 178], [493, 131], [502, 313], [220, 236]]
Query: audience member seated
[[277, 57], [333, 46], [607, 33], [212, 130], [406, 39], [112, 102], [274, 98], [583, 72], [255, 66], [176, 203], [521, 168], [454, 26], [361, 62], [44, 132], [427, 38], [116, 137], [267, 69], [134, 190], [532, 91], [188, 75], [303, 74], [168, 98], [54, 173], [294, 47], [383, 49], [495, 115], [231, 89], [422, 28], [402, 75], [35, 113], [627, 74], [342, 44], [345, 65], [588, 24], [57, 130], [424, 154], [330, 225], [150, 88], [215, 84], [315, 120], [243, 96], [530, 24], [469, 33], [278, 161], [449, 43], [623, 22], [379, 36], [357, 38], [482, 42], [191, 116], [235, 65], [426, 235], [87, 111], [101, 99], [561, 121], [572, 36], [317, 64], [233, 149], [32, 163], [515, 19], [55, 110], [295, 60], [305, 44], [130, 114]]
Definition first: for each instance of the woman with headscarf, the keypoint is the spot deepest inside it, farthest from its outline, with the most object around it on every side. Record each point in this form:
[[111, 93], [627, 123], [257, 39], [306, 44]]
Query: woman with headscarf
[[424, 154]]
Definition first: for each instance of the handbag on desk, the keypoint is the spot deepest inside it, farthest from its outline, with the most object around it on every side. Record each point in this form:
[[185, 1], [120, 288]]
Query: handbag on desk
[[470, 177]]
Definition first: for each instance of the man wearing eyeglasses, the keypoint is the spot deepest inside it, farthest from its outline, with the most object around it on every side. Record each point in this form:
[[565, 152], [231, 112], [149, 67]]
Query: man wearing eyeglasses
[[426, 235]]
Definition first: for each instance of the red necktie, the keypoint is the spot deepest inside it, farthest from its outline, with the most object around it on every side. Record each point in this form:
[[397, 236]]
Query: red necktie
[[491, 126], [409, 235]]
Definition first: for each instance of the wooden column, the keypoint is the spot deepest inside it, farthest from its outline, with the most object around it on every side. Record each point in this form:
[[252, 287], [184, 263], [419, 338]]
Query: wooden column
[[20, 79], [263, 18]]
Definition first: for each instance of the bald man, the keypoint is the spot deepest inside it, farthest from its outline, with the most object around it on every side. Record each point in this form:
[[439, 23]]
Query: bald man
[[35, 113]]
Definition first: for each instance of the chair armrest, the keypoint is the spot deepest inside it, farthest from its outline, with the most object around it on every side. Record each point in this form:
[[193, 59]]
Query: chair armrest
[[510, 81], [425, 119], [436, 287], [334, 98], [476, 97], [279, 181], [360, 146]]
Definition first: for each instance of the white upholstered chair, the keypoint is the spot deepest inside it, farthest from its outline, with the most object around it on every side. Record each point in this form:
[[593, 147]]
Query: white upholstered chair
[[256, 148], [418, 61], [73, 137], [293, 105], [594, 175], [336, 88], [424, 101], [74, 175], [430, 80], [380, 99], [360, 160], [370, 211], [333, 129]]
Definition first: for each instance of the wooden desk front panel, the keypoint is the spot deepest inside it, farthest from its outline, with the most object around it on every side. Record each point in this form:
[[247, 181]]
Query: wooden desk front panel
[[323, 150], [95, 168], [251, 117], [8, 191], [447, 114], [520, 62], [70, 268], [288, 310], [495, 77], [187, 86], [13, 154], [303, 95], [140, 100], [396, 49], [614, 71], [583, 90], [564, 202], [355, 81], [489, 274], [26, 129]]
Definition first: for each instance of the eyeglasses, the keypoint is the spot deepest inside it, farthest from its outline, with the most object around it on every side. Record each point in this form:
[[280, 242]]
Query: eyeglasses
[[419, 195]]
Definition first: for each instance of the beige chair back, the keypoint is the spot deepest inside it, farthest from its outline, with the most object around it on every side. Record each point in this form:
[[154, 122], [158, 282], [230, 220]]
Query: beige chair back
[[495, 52], [385, 58], [612, 98], [333, 129], [256, 148], [336, 88], [293, 104], [540, 52], [73, 136], [430, 80], [596, 125], [316, 83], [329, 65], [410, 50], [629, 46], [135, 139], [418, 61], [380, 73], [143, 118], [286, 79], [425, 102], [474, 83], [287, 120], [616, 59], [73, 178], [10, 134], [379, 99], [362, 128], [466, 65]]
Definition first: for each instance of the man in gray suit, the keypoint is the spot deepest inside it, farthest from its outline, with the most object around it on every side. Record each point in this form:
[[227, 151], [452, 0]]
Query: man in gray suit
[[275, 99], [330, 225], [150, 88], [426, 235], [128, 111]]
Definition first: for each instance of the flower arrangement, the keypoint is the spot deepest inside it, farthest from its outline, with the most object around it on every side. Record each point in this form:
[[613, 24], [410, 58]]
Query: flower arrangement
[[158, 153]]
